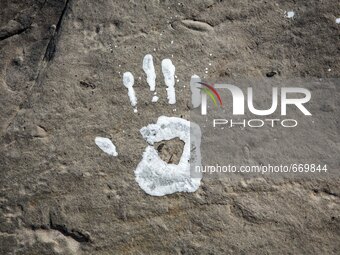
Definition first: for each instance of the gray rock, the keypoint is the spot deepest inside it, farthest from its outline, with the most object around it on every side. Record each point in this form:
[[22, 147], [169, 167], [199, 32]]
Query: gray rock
[[60, 194]]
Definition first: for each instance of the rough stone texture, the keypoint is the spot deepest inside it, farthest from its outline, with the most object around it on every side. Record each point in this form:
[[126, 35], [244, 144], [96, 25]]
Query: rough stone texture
[[61, 86], [170, 151]]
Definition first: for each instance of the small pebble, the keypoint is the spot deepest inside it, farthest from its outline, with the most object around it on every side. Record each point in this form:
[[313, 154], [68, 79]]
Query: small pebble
[[154, 99], [290, 14]]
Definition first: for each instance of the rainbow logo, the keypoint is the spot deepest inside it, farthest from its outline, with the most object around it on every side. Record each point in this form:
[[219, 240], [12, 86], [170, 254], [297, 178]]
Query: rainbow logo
[[211, 92]]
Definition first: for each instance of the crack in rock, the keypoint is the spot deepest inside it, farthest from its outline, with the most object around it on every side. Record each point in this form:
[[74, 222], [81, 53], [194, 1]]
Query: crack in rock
[[75, 234], [51, 47]]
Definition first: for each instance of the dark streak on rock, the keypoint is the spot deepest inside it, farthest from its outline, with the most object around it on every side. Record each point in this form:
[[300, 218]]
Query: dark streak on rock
[[6, 34], [328, 192], [51, 47], [271, 74], [48, 56], [87, 84], [75, 234]]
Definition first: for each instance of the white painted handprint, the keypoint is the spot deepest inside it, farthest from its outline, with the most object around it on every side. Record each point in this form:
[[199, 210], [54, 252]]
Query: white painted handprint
[[155, 176]]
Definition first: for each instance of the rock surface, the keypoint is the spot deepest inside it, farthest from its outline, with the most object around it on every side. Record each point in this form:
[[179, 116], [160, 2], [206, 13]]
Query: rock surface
[[61, 86]]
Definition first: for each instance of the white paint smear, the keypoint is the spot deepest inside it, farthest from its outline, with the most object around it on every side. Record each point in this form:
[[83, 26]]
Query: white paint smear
[[337, 21], [168, 70], [128, 82], [149, 70], [154, 99], [156, 177], [290, 14], [195, 91], [106, 145]]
